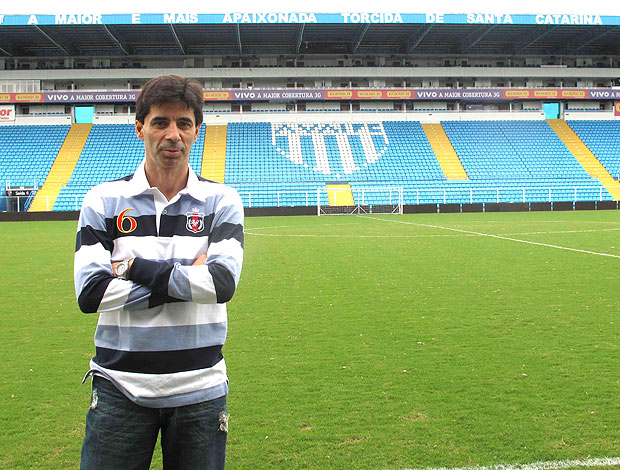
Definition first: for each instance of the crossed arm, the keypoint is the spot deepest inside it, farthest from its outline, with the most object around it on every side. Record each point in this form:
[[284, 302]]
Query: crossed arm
[[200, 260], [152, 283], [211, 277]]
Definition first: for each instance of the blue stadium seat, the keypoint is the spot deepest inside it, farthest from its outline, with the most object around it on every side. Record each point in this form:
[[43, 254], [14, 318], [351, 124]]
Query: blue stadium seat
[[603, 140], [283, 164], [112, 151], [507, 161], [28, 152]]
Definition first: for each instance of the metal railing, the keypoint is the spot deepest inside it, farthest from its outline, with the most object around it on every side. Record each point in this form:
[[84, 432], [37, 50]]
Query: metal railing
[[23, 203], [499, 194], [410, 196], [29, 200], [446, 195]]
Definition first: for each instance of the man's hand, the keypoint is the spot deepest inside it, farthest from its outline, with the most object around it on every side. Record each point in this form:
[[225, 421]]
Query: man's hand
[[200, 260]]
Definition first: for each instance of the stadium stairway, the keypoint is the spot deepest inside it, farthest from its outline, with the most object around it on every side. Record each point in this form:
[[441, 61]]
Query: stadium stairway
[[445, 153], [62, 169], [584, 156], [340, 195], [214, 153]]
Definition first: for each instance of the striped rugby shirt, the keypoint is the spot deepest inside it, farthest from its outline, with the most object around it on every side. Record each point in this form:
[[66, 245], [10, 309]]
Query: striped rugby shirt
[[160, 333]]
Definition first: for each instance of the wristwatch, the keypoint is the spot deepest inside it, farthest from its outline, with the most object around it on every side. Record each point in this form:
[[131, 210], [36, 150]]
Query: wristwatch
[[122, 269]]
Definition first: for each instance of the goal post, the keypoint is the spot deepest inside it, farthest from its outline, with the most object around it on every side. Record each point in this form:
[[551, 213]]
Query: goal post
[[379, 200]]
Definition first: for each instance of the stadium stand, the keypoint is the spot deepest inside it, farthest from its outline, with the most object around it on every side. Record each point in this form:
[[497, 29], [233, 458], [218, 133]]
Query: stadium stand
[[603, 139], [260, 152], [214, 153], [507, 162], [62, 169], [112, 151], [293, 159], [315, 114], [512, 150], [28, 153], [284, 163]]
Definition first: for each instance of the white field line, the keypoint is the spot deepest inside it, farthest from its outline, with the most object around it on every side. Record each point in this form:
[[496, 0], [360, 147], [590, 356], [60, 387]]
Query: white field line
[[474, 234], [500, 237], [269, 227], [565, 231], [327, 235], [551, 465]]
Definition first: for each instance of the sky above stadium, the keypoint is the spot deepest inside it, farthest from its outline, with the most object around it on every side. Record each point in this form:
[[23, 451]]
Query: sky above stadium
[[316, 6]]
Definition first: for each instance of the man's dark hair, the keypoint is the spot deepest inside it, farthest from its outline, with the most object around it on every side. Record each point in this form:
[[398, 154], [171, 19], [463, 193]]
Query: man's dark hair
[[170, 89]]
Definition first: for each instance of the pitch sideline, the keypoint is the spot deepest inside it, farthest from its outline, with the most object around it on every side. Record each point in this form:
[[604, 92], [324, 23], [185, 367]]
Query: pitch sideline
[[322, 235], [550, 465], [500, 237]]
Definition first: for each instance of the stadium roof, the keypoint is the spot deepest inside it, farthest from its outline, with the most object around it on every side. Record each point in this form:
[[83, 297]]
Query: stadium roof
[[238, 34]]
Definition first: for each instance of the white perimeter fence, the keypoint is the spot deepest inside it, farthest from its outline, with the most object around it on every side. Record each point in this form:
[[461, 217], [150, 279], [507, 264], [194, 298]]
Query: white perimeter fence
[[410, 197]]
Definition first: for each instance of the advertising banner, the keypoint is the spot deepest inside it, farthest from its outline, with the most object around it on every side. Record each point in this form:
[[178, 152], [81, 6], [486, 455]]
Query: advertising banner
[[7, 112], [298, 94], [292, 94], [21, 97], [304, 17], [459, 94], [90, 96], [216, 95], [603, 94], [415, 94], [547, 93], [472, 94], [617, 108], [404, 94]]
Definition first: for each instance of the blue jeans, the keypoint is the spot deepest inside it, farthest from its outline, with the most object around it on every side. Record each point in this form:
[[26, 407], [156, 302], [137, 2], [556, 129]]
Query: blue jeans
[[121, 435]]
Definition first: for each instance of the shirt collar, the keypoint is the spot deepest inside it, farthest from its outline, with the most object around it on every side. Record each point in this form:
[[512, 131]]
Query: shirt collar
[[141, 184]]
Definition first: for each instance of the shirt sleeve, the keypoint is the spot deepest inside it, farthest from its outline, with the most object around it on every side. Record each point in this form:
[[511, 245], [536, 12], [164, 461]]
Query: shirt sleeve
[[96, 288], [217, 279]]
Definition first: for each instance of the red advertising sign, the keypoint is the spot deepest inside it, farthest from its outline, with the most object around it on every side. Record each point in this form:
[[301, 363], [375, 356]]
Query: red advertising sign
[[575, 94], [338, 94], [21, 97], [546, 93], [217, 95], [7, 112]]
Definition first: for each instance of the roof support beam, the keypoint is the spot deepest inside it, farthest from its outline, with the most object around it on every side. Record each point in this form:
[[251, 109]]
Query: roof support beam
[[5, 52], [357, 41], [412, 41], [238, 31], [49, 38], [176, 38], [534, 38], [300, 35], [585, 41], [116, 41], [474, 39]]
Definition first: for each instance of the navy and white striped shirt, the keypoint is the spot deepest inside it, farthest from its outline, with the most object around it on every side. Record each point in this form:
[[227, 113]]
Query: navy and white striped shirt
[[160, 334]]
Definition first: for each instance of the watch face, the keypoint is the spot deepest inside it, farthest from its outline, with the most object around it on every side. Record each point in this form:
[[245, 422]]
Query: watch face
[[121, 269]]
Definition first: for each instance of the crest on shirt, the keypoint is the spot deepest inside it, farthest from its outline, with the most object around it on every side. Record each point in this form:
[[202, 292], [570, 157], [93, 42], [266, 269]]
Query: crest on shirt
[[195, 220]]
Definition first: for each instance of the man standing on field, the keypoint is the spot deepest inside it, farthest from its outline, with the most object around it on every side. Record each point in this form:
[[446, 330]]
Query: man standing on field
[[158, 255]]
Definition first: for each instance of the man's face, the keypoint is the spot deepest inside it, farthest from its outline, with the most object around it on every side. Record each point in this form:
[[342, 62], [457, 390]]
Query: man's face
[[168, 132]]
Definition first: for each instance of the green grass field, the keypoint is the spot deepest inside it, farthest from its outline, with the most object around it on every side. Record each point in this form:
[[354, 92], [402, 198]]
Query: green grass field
[[385, 342]]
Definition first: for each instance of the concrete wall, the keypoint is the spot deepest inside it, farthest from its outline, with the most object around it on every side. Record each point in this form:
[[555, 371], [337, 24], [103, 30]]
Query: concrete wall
[[590, 116], [96, 76], [374, 117], [426, 117], [38, 121]]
